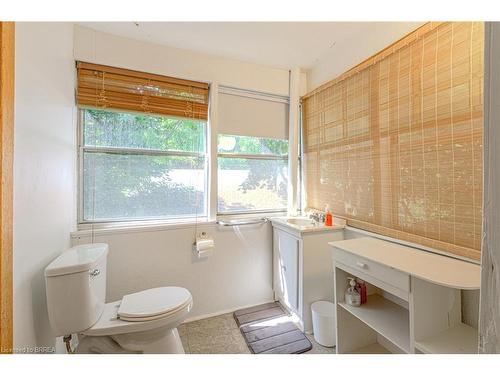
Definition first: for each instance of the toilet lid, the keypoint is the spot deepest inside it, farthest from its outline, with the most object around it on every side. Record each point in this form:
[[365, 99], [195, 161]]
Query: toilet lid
[[155, 302]]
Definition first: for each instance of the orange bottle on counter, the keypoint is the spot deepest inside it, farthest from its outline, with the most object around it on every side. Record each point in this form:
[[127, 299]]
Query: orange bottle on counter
[[328, 217]]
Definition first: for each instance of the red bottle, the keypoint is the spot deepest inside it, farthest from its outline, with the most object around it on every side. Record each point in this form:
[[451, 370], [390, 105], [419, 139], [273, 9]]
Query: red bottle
[[328, 217], [361, 288], [362, 291]]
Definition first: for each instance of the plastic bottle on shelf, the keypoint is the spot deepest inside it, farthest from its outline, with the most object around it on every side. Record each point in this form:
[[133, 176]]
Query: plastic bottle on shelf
[[352, 296]]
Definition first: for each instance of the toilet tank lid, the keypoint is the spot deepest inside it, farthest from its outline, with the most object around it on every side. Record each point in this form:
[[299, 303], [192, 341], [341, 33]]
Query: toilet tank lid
[[77, 259]]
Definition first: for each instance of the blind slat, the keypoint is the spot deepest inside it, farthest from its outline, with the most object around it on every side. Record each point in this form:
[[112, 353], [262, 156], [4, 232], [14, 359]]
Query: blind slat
[[395, 144], [107, 87]]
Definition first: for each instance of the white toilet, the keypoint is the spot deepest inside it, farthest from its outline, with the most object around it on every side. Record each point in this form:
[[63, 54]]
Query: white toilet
[[143, 322]]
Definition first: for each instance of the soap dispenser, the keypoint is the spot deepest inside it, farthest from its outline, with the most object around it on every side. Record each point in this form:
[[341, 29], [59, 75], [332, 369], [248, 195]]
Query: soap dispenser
[[352, 296], [328, 216]]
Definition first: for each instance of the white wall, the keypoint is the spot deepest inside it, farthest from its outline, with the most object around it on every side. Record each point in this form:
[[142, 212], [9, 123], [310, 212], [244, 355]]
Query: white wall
[[346, 54], [44, 169], [102, 48], [238, 274]]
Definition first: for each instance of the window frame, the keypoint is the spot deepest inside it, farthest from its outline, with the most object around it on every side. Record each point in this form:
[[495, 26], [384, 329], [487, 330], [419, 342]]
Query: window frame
[[235, 155], [82, 149]]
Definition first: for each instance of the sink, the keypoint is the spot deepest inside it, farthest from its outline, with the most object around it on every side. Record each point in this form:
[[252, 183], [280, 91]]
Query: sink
[[301, 222]]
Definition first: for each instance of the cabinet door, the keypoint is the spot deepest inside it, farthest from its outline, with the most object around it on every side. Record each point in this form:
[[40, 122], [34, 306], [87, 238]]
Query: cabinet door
[[288, 268]]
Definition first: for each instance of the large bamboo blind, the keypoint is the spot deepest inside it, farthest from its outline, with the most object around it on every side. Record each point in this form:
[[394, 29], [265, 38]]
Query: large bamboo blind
[[395, 145], [101, 86]]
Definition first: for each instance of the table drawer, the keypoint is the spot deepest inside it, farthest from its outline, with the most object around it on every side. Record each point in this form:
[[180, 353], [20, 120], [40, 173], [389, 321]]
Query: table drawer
[[381, 272]]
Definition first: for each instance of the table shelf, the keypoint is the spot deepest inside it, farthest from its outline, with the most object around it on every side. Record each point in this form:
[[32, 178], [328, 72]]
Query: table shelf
[[461, 339], [407, 288], [385, 317]]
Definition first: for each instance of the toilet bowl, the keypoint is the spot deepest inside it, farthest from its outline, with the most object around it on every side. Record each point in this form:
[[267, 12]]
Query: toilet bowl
[[142, 322]]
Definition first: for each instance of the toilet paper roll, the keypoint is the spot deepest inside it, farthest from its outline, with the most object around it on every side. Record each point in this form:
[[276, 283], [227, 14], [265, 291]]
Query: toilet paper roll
[[205, 253], [204, 244]]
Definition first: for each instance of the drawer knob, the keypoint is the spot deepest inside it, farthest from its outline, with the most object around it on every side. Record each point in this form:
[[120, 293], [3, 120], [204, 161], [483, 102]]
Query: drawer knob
[[361, 265]]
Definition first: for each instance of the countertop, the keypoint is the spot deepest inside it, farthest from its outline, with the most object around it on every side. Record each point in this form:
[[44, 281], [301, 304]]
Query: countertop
[[438, 269], [338, 224]]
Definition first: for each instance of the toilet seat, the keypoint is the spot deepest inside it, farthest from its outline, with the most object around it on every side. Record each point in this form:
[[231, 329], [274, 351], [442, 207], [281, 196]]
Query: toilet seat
[[110, 324], [153, 303]]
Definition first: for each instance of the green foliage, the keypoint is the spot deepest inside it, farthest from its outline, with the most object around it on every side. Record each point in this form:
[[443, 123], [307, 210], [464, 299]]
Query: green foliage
[[132, 186], [268, 174], [250, 146], [118, 186], [140, 131]]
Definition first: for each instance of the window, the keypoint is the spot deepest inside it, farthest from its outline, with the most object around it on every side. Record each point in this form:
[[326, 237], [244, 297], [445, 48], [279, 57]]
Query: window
[[142, 149], [252, 174], [138, 166], [395, 145]]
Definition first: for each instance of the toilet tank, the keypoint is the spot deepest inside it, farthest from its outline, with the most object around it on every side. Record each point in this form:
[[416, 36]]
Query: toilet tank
[[76, 288]]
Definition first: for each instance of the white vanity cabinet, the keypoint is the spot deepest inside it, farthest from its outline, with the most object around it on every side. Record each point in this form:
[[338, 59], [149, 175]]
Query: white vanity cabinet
[[286, 269], [302, 267], [414, 299]]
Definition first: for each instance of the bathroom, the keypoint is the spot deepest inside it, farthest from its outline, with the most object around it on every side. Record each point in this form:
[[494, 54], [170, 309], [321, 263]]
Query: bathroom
[[224, 186]]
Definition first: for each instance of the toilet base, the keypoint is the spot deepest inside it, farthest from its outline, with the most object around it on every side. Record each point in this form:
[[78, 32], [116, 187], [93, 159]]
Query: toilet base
[[158, 341]]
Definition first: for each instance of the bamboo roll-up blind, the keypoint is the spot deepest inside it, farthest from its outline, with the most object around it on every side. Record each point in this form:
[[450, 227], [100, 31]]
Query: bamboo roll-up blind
[[395, 145], [101, 86]]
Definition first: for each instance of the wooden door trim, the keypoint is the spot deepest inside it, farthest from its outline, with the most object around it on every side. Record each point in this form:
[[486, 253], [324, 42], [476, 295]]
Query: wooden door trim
[[7, 48]]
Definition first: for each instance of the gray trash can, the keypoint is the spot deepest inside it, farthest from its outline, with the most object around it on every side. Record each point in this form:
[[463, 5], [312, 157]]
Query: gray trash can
[[323, 319]]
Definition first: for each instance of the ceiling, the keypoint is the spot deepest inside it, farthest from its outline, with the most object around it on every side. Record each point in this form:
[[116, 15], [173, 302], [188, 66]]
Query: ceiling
[[278, 44]]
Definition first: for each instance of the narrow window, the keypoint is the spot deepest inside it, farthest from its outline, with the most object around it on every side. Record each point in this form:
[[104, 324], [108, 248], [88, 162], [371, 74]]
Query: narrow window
[[252, 152], [252, 174]]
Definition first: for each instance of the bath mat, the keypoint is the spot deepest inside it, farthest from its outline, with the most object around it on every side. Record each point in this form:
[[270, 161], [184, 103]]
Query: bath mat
[[268, 329]]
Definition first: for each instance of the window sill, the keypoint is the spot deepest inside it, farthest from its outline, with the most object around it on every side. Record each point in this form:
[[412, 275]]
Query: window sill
[[86, 230], [250, 214]]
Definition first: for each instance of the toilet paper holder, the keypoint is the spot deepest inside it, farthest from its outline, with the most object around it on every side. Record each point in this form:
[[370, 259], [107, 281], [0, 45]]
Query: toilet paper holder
[[203, 245]]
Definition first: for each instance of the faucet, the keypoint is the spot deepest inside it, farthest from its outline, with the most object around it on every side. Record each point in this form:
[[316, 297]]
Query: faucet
[[318, 217]]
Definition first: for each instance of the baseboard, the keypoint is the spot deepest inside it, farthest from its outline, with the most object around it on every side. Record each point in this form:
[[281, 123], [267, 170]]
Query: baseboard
[[227, 311]]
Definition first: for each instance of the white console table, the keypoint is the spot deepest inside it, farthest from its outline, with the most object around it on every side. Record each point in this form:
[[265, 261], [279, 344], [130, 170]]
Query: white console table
[[414, 300]]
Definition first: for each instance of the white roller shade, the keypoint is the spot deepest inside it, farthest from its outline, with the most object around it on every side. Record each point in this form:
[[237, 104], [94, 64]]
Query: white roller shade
[[251, 114]]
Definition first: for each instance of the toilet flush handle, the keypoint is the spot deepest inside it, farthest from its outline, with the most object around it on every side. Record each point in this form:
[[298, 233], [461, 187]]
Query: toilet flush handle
[[94, 272]]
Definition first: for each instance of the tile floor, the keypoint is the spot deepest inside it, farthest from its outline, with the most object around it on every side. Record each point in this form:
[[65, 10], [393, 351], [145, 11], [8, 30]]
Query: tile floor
[[221, 335]]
